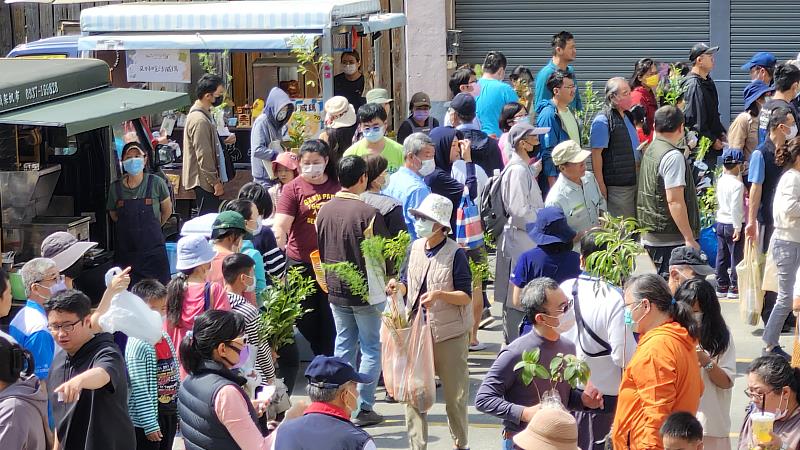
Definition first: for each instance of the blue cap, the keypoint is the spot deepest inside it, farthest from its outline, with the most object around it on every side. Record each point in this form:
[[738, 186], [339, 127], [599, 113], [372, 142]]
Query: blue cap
[[332, 372], [753, 91], [732, 156], [763, 59], [551, 227]]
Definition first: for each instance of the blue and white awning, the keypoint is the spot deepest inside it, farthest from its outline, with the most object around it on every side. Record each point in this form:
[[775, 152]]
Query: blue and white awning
[[206, 41]]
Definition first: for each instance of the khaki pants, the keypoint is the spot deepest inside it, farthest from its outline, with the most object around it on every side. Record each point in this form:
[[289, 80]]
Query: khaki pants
[[450, 363]]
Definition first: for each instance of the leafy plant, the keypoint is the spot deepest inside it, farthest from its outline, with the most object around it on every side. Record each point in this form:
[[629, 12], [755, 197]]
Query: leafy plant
[[480, 270], [282, 307], [207, 62], [298, 128], [563, 368], [592, 104], [351, 276], [304, 50], [616, 262], [702, 148], [489, 240], [673, 89], [478, 71], [395, 249]]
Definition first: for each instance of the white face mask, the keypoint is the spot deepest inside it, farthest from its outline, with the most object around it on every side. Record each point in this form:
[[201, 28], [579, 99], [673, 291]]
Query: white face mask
[[252, 286], [259, 225], [313, 170], [423, 228], [349, 69], [565, 321], [427, 167], [792, 132]]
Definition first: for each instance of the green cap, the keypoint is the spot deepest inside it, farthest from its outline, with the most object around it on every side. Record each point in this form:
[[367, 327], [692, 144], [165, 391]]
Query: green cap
[[227, 220], [378, 95]]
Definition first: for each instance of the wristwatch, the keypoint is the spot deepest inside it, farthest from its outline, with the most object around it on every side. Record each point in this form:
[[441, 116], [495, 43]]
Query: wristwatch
[[709, 366]]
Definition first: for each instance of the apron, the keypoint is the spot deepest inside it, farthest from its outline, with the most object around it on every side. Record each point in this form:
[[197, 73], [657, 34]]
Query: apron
[[139, 240]]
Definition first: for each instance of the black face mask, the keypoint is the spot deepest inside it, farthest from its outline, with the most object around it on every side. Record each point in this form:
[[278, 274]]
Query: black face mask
[[217, 101], [534, 151]]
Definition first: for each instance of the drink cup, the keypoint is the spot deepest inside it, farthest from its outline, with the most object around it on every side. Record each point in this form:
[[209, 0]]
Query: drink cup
[[762, 426]]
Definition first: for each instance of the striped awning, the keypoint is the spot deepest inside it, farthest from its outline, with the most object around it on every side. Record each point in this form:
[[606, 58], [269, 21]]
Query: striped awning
[[272, 16]]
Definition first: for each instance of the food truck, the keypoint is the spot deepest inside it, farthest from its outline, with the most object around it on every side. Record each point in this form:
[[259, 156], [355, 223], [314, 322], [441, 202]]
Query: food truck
[[59, 119]]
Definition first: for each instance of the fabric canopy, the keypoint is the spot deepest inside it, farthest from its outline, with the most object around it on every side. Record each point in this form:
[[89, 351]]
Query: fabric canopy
[[266, 16], [96, 109], [196, 41]]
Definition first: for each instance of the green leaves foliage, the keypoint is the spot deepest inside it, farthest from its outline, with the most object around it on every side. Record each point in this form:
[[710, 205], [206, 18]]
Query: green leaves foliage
[[282, 306], [616, 262], [592, 101], [563, 368], [351, 276], [304, 50]]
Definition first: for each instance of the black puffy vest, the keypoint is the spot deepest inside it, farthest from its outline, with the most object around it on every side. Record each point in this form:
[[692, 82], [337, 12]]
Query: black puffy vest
[[200, 426], [316, 430], [619, 164]]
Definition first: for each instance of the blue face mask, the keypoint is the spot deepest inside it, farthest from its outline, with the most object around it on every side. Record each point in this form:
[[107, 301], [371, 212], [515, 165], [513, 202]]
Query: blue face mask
[[373, 135], [133, 166], [629, 322]]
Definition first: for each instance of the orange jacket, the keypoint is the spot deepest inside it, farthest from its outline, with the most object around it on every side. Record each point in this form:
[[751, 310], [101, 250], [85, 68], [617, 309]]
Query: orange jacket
[[663, 377]]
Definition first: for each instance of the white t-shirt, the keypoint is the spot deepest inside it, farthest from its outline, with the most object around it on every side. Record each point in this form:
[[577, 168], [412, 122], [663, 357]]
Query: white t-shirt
[[714, 412], [602, 308], [459, 173]]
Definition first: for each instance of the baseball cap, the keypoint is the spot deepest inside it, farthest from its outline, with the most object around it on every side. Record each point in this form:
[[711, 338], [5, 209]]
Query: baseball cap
[[520, 130], [464, 104], [334, 372], [65, 249], [286, 159], [229, 220], [701, 49], [194, 250], [762, 59], [569, 152], [689, 256], [420, 99], [378, 95], [732, 156]]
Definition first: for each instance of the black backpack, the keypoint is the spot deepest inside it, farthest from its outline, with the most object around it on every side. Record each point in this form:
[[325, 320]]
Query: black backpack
[[493, 212]]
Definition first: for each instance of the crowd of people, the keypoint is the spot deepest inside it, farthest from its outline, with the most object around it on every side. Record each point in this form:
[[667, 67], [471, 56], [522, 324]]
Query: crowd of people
[[662, 359]]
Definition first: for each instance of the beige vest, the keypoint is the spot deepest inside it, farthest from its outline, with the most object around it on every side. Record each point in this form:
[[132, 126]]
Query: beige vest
[[446, 320]]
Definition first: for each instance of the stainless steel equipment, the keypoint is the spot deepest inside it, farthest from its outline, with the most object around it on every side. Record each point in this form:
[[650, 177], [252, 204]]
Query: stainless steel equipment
[[26, 194], [26, 239]]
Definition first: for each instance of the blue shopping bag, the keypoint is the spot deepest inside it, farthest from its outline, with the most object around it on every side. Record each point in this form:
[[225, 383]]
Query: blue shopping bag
[[468, 232]]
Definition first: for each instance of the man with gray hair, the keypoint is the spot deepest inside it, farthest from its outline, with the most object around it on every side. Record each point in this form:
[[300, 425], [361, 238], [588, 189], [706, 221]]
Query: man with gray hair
[[615, 149], [407, 185], [502, 393], [326, 422], [29, 327]]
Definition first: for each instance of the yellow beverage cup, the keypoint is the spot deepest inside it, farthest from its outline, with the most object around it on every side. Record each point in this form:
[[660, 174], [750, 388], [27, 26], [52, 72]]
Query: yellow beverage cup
[[762, 427]]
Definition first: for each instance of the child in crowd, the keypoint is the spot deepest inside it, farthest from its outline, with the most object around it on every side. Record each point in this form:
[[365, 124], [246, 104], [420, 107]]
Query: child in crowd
[[237, 269], [682, 431], [189, 294], [154, 378], [264, 239], [730, 220], [638, 115], [285, 168]]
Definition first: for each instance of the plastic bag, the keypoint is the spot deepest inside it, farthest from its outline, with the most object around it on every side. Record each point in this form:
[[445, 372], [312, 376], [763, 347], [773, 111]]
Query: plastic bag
[[131, 315], [751, 295], [408, 370], [708, 244]]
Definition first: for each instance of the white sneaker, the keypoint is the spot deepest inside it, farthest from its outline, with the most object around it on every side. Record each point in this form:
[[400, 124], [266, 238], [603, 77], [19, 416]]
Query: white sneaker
[[477, 347]]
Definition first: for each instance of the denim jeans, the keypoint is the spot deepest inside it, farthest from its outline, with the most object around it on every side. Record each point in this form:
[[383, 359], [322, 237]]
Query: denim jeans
[[729, 253], [787, 259], [359, 327]]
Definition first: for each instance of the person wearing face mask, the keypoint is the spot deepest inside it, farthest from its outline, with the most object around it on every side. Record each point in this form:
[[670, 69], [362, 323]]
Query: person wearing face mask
[[436, 277], [449, 147], [340, 129], [139, 204], [502, 393], [249, 212], [332, 389], [644, 83], [485, 150], [601, 339], [787, 86], [203, 172], [154, 378], [267, 133], [464, 80], [372, 121], [761, 67], [420, 119], [377, 180], [512, 114], [717, 356], [773, 386], [521, 200], [615, 149], [686, 263], [555, 114], [238, 270], [743, 132], [407, 185], [494, 93], [702, 101], [212, 354], [564, 53], [350, 83], [188, 293], [664, 374], [295, 232], [67, 252], [263, 237], [666, 200], [228, 233]]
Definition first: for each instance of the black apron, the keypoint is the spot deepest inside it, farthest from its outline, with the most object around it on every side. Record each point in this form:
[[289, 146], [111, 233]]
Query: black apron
[[139, 240]]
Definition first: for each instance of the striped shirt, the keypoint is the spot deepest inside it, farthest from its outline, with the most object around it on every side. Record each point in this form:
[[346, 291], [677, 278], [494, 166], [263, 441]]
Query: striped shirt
[[140, 357], [274, 259], [264, 364]]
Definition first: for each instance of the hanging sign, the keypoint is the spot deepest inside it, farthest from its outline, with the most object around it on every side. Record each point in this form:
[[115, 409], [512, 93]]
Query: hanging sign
[[164, 66]]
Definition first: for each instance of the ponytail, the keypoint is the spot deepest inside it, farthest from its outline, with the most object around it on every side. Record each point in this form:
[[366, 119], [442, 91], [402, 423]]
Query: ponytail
[[175, 291], [210, 329], [653, 288]]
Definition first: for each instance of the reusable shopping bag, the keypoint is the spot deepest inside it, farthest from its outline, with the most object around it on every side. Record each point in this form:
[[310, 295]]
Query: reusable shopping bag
[[468, 232], [751, 295]]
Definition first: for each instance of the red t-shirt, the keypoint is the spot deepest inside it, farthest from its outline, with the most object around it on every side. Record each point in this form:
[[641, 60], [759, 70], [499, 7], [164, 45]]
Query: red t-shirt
[[302, 200]]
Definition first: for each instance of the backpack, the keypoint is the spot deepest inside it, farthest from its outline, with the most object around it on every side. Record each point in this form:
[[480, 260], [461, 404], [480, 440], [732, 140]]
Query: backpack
[[493, 212]]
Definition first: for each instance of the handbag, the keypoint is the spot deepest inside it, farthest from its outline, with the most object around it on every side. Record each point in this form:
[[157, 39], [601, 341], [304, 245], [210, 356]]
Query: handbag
[[468, 232]]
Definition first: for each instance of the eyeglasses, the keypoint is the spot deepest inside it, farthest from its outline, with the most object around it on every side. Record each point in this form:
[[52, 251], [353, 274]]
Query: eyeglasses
[[57, 277], [66, 327], [567, 306], [757, 396], [570, 87]]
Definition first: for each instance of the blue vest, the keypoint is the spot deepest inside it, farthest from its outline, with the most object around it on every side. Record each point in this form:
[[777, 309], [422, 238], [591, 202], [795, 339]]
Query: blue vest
[[200, 426], [312, 430]]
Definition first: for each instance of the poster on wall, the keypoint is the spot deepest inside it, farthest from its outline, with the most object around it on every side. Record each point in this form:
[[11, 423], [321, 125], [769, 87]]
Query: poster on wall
[[316, 109], [164, 66]]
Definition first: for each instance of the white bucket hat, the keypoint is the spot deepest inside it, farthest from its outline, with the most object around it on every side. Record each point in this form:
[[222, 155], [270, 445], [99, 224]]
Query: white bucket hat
[[194, 251], [436, 208], [339, 113]]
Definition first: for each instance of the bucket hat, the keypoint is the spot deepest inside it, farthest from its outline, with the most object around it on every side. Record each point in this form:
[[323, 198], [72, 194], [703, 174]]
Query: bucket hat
[[194, 251], [436, 208], [339, 113], [551, 227], [65, 249], [550, 429], [754, 90]]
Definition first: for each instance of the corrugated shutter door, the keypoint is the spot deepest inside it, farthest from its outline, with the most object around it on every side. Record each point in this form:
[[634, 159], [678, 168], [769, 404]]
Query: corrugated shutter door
[[610, 36], [756, 26]]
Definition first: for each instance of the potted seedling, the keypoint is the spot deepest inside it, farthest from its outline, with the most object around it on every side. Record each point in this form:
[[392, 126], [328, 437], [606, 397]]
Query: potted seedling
[[563, 368], [283, 306]]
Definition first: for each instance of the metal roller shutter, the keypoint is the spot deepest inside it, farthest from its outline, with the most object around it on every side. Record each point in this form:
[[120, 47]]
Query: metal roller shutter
[[610, 36], [765, 25]]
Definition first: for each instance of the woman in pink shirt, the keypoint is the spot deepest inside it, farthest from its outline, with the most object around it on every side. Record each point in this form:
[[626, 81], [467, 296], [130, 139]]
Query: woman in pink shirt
[[189, 294]]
